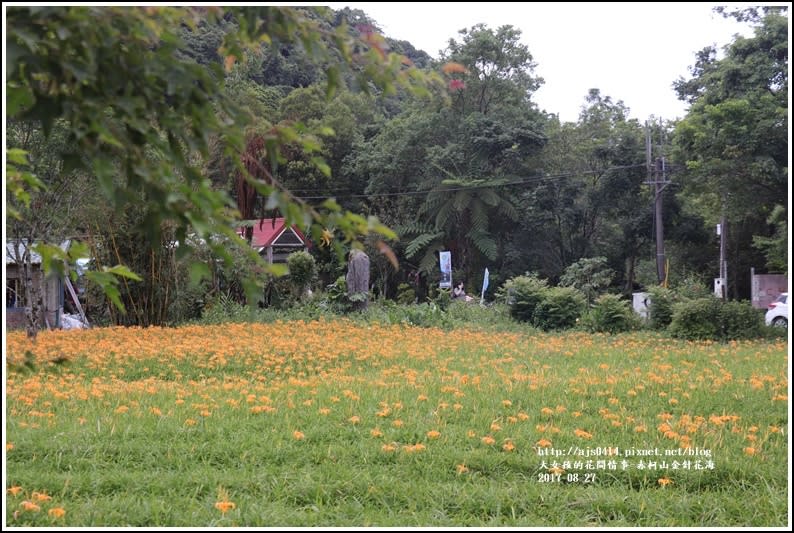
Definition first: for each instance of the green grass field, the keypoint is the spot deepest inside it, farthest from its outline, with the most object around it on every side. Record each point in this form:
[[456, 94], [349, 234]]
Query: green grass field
[[337, 423]]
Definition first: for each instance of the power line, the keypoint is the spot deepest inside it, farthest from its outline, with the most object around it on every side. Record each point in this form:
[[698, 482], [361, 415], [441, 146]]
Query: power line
[[524, 181]]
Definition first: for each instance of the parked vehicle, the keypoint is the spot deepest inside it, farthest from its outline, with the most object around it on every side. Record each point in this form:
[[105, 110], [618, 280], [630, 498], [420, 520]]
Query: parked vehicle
[[777, 315]]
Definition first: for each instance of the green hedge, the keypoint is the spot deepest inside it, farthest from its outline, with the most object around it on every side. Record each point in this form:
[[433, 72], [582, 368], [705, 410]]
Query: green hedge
[[739, 320], [712, 319]]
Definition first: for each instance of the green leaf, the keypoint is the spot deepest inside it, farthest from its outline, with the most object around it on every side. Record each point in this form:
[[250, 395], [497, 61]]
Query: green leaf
[[107, 283], [78, 250], [198, 272], [104, 170], [18, 99], [52, 258], [122, 271], [420, 242], [322, 166], [17, 156], [383, 229], [331, 205], [278, 269], [253, 289], [113, 293]]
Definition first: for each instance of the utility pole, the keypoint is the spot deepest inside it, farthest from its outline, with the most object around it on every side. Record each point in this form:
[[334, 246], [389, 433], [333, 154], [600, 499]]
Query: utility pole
[[723, 283], [661, 267], [658, 178]]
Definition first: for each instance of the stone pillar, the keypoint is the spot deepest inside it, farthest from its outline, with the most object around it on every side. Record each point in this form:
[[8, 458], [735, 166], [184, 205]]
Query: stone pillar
[[358, 279]]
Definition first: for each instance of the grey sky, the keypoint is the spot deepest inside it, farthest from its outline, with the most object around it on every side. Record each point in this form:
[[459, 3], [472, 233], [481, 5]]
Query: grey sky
[[631, 51]]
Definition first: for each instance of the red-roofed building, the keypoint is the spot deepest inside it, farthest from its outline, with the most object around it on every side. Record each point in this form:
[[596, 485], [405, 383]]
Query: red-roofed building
[[274, 240]]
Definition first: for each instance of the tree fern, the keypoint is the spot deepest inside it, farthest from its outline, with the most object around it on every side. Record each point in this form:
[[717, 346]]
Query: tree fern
[[443, 215], [429, 261], [461, 200], [420, 242], [485, 243], [479, 218], [461, 219], [433, 201], [489, 197], [414, 227], [509, 210]]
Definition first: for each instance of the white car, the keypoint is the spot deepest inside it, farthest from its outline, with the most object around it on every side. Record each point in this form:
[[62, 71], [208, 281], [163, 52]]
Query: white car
[[777, 315]]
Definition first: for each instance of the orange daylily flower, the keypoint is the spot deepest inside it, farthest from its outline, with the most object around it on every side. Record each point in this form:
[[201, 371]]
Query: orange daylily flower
[[225, 506]]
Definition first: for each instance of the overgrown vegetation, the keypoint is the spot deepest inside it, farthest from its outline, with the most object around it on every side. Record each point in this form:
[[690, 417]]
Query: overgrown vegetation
[[267, 123]]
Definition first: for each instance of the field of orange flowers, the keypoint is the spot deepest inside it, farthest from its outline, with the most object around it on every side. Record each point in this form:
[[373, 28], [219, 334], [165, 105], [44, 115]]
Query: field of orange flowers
[[342, 424]]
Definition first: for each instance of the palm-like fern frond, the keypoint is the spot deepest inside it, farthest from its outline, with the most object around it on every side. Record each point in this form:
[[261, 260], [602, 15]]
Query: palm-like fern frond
[[485, 243], [418, 243], [429, 261], [413, 227], [489, 197], [509, 210], [479, 217], [445, 211], [461, 200]]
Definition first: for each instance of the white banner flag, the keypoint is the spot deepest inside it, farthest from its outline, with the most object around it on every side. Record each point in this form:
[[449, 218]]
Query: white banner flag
[[446, 269], [484, 285]]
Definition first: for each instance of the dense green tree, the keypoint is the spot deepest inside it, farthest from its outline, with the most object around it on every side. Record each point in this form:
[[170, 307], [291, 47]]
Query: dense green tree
[[734, 139], [53, 212], [142, 112], [465, 153], [775, 248], [498, 69], [586, 201]]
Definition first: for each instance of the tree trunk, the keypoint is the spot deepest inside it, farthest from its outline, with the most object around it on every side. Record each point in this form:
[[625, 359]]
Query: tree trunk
[[32, 292], [630, 263]]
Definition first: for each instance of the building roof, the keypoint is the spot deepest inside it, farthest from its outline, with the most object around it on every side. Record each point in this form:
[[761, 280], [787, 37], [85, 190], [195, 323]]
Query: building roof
[[273, 231], [35, 258]]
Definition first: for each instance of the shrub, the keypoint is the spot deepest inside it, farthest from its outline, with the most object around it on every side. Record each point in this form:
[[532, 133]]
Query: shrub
[[336, 295], [692, 286], [476, 316], [441, 299], [405, 294], [523, 294], [559, 308], [660, 310], [696, 319], [223, 309], [302, 269], [610, 314], [278, 293], [774, 333], [712, 319], [591, 275], [427, 315], [739, 320]]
